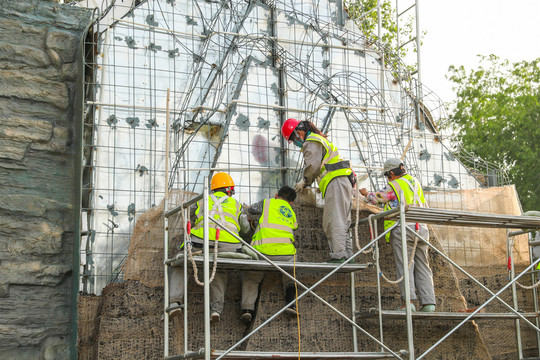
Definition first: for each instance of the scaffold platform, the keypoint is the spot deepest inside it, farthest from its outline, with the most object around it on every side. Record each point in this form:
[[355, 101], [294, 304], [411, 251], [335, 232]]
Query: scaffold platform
[[463, 218], [262, 265], [260, 355], [416, 315]]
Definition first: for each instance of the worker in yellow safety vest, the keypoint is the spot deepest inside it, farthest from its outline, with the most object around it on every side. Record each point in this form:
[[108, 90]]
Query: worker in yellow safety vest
[[420, 275], [335, 178], [274, 237], [227, 210]]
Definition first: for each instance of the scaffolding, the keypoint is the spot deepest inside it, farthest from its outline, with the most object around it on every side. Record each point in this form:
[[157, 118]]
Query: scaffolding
[[403, 214], [176, 90]]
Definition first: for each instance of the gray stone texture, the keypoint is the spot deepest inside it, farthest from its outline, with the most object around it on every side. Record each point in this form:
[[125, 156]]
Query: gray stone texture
[[125, 318], [39, 62]]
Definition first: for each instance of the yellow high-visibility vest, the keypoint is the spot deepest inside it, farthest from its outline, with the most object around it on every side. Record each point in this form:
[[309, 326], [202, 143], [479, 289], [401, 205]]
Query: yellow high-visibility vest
[[412, 190], [223, 208], [274, 234], [332, 164]]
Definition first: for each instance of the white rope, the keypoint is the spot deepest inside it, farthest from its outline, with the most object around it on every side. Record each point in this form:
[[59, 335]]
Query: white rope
[[372, 233], [527, 287], [188, 244], [356, 237], [195, 270]]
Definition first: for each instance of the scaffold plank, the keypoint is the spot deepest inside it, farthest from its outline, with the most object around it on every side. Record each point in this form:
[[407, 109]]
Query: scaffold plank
[[396, 314], [463, 218], [261, 265], [284, 355]]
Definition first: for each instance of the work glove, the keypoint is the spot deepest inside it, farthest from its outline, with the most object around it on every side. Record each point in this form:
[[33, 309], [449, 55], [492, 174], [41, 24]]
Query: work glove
[[246, 250], [300, 185]]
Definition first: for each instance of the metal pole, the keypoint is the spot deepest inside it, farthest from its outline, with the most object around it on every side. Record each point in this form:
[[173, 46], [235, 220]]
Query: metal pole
[[535, 294], [308, 290], [514, 294], [186, 238], [353, 309], [206, 272], [166, 238], [378, 265], [406, 280], [165, 284], [418, 42]]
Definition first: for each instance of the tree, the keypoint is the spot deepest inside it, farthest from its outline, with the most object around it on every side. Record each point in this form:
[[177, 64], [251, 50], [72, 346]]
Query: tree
[[365, 15], [497, 117]]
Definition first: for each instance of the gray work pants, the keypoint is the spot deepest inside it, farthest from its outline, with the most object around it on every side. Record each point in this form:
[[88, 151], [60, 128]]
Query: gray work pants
[[420, 275], [337, 217], [217, 286], [252, 279]]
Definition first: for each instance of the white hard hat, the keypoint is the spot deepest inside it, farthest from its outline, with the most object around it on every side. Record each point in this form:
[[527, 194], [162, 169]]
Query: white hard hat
[[391, 164]]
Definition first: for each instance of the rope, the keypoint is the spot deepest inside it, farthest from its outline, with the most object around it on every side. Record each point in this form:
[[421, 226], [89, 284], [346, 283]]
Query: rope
[[296, 303], [196, 270], [356, 237], [527, 287], [188, 244], [371, 234]]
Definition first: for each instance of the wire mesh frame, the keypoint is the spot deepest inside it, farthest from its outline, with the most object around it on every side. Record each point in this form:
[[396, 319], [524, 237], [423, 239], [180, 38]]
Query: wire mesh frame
[[322, 86]]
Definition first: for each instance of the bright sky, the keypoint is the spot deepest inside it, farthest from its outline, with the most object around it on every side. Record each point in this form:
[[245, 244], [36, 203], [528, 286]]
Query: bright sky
[[458, 30]]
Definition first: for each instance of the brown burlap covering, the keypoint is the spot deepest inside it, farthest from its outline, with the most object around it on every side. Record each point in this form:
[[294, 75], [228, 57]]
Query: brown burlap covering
[[127, 321]]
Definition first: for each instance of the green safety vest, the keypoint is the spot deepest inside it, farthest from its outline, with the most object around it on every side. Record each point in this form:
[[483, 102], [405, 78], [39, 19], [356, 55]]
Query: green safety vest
[[222, 208], [412, 190], [274, 235], [332, 164]]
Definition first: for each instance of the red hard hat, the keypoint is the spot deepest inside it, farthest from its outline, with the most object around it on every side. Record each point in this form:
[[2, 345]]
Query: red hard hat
[[288, 127]]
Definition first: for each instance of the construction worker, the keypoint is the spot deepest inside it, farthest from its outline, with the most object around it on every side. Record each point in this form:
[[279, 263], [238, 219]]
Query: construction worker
[[275, 239], [420, 275], [229, 212], [335, 178]]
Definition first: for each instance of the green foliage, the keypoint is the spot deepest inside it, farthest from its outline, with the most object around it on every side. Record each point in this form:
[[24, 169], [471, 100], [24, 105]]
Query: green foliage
[[365, 15], [497, 117]]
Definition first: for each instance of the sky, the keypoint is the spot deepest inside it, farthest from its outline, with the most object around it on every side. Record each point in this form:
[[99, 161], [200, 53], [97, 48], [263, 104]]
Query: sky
[[459, 30]]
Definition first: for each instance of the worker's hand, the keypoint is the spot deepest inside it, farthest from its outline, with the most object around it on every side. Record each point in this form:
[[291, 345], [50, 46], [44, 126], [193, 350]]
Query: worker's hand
[[364, 191], [300, 185]]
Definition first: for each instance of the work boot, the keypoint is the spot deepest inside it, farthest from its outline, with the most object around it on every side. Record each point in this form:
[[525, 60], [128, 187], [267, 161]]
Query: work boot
[[247, 316], [427, 308], [290, 295], [403, 308], [214, 317], [177, 311]]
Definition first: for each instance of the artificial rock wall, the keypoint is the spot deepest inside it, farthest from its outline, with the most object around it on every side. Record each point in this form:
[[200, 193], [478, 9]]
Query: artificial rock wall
[[40, 69]]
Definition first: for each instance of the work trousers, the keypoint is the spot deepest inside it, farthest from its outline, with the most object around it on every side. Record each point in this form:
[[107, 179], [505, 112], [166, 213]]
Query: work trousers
[[217, 286], [337, 217], [420, 275], [252, 279]]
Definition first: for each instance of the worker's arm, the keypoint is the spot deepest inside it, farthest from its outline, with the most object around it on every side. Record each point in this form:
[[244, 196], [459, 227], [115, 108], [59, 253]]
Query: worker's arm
[[244, 224], [192, 216], [313, 155], [383, 196], [257, 208]]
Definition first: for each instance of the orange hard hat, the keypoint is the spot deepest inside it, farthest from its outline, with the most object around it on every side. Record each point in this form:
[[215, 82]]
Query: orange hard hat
[[221, 180], [288, 127]]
